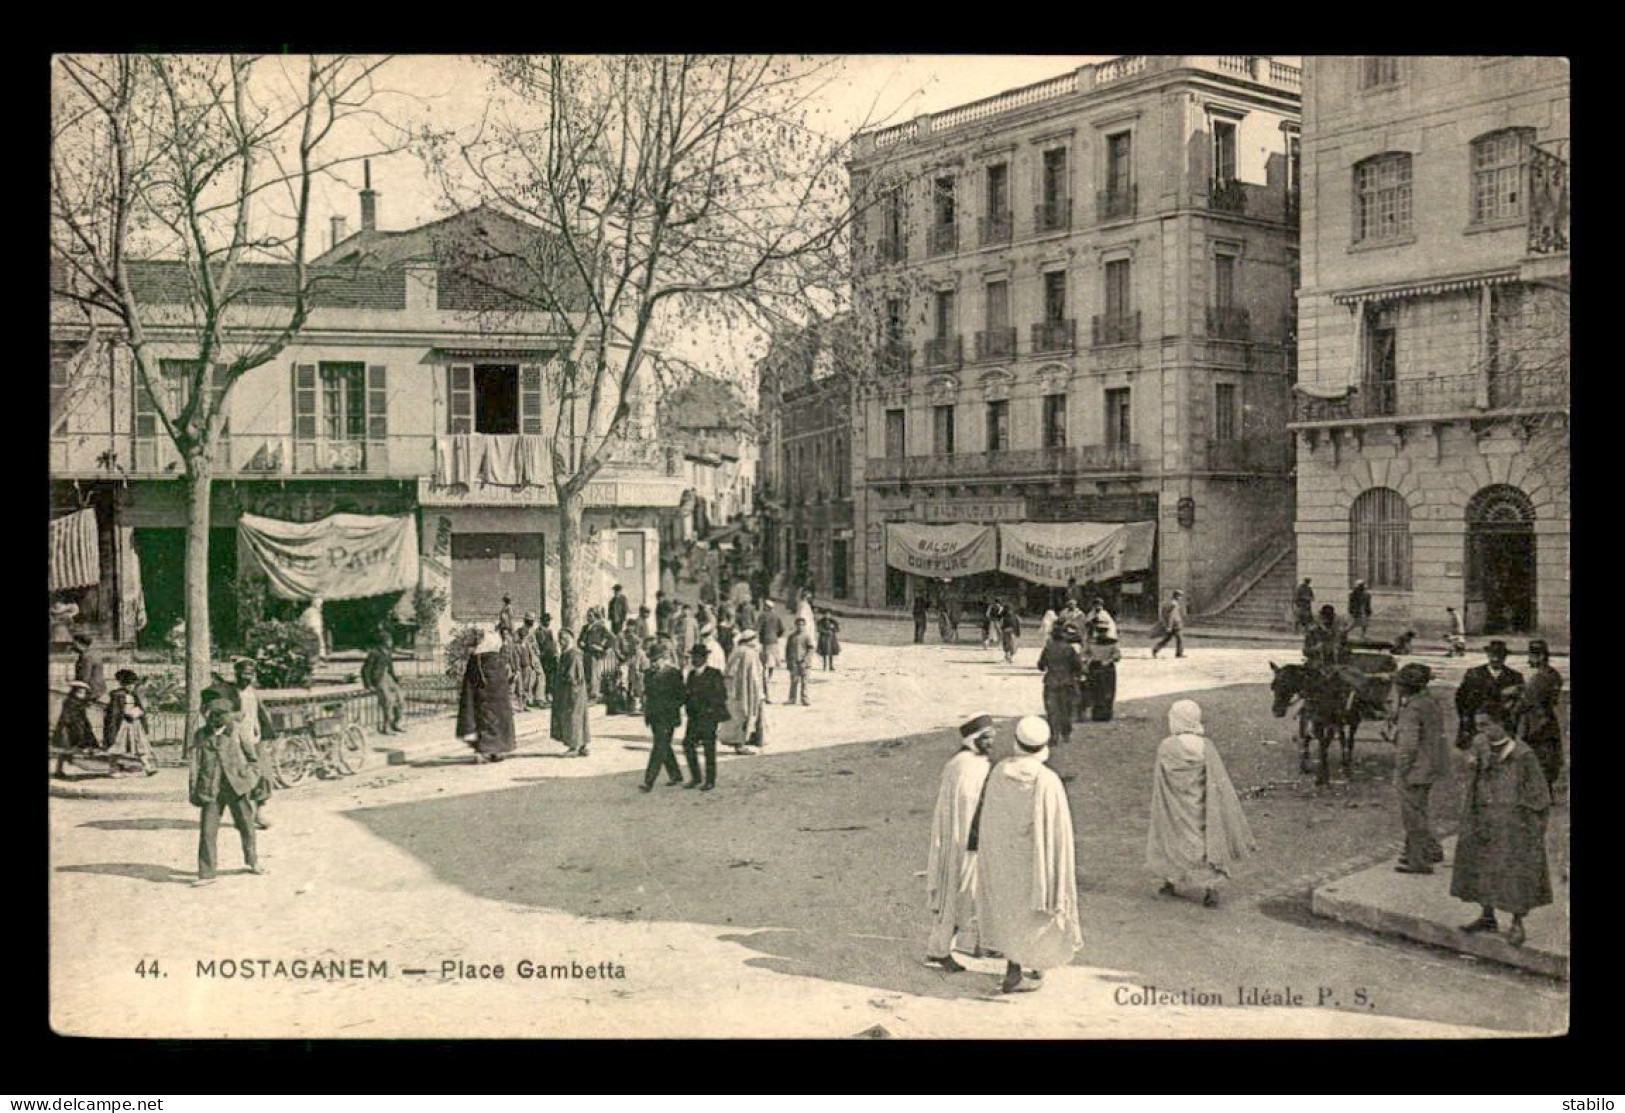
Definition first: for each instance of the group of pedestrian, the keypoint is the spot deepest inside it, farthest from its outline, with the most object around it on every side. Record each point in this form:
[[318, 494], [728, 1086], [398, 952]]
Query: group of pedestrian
[[124, 719], [1079, 662], [1511, 738], [1001, 879]]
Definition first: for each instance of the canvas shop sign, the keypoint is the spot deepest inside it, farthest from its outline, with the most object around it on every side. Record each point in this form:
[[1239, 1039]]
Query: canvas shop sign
[[940, 551], [345, 556], [1053, 553]]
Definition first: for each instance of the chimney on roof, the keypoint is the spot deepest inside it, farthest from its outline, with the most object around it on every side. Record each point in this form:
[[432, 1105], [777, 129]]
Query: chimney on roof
[[340, 232], [369, 200]]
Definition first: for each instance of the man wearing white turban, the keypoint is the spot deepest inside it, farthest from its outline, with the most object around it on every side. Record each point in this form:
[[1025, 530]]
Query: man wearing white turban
[[1026, 876], [951, 869], [1198, 830]]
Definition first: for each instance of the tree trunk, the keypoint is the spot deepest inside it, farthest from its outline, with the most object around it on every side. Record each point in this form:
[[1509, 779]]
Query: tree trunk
[[199, 482], [572, 553]]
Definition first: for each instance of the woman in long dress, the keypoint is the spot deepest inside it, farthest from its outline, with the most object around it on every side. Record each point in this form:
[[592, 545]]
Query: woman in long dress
[[1198, 831], [570, 698], [829, 639], [125, 722], [485, 703]]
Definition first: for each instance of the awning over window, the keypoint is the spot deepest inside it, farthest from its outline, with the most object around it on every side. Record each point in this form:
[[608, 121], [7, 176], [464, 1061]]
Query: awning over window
[[942, 552], [75, 558], [1403, 290], [1053, 552]]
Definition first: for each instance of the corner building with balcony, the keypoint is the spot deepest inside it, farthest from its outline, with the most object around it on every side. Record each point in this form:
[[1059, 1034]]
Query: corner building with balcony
[[1432, 406], [1082, 291], [409, 392]]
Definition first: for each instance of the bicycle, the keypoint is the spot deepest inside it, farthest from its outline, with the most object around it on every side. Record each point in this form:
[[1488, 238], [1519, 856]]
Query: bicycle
[[307, 745]]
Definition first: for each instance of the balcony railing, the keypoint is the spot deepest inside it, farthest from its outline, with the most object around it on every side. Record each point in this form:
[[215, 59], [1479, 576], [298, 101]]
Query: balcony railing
[[974, 465], [1226, 195], [1228, 322], [894, 357], [995, 228], [944, 238], [1116, 328], [1109, 458], [1053, 215], [1548, 198], [1441, 395], [889, 251], [1116, 204], [944, 351], [996, 343], [1250, 454], [1055, 336]]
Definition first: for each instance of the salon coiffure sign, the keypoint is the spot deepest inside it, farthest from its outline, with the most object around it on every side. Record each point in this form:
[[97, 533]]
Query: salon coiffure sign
[[346, 556], [1042, 552]]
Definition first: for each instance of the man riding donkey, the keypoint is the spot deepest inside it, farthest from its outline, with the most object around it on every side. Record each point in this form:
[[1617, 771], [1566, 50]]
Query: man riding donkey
[[1337, 695]]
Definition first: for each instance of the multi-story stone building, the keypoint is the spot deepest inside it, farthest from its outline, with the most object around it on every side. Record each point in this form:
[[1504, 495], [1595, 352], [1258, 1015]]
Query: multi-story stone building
[[407, 393], [1082, 291], [1432, 419], [808, 401]]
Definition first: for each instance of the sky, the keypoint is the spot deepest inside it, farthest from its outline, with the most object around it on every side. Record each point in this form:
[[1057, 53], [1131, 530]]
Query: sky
[[449, 91]]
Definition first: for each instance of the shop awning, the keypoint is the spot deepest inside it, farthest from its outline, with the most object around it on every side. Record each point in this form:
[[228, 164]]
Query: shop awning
[[75, 557], [1053, 552], [941, 552], [346, 556]]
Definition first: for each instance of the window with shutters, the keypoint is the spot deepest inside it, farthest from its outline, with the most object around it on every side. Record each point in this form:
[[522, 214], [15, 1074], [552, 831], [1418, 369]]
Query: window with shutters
[[1500, 168], [998, 306], [1379, 71], [896, 437], [1380, 539], [998, 426], [501, 399], [942, 430], [1054, 421], [340, 417], [944, 314], [61, 381], [1118, 300], [1382, 198], [1224, 413], [1119, 428]]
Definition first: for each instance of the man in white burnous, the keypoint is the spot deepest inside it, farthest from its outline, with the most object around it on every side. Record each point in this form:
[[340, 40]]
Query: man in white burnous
[[951, 870], [1026, 876]]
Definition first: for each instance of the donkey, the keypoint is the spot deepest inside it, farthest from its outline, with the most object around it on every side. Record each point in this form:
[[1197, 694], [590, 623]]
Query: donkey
[[1329, 706]]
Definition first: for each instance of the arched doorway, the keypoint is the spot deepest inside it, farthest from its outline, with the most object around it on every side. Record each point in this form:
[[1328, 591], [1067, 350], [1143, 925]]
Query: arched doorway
[[1500, 562]]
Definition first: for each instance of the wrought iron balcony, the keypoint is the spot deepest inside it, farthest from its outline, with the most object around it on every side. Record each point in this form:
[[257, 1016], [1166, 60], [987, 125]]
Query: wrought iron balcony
[[1226, 195], [1108, 458], [1116, 328], [894, 357], [1439, 396], [975, 465], [1116, 204], [1270, 454], [944, 351], [997, 343], [995, 228], [1054, 215], [944, 238], [1055, 336], [1548, 195], [1228, 322]]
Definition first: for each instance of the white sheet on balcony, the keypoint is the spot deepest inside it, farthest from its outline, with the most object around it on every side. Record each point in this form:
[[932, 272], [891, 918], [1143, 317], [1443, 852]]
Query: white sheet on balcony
[[535, 469], [502, 461], [458, 459], [1053, 552]]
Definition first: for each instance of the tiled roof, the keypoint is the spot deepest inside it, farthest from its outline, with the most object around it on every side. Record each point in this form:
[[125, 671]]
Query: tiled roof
[[162, 281]]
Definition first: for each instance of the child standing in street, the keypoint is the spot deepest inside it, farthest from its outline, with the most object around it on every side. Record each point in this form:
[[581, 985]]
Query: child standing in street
[[829, 641]]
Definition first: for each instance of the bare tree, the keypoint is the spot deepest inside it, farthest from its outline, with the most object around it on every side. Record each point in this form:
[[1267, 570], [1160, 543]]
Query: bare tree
[[669, 193], [181, 194]]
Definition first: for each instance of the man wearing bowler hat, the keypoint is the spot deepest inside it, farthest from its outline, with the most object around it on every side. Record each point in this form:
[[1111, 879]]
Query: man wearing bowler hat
[[706, 703], [1423, 759], [1487, 687]]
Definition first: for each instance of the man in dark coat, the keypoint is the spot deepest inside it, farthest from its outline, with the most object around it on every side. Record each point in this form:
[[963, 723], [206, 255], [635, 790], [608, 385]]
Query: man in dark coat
[[485, 701], [1062, 672], [243, 693], [223, 774], [1501, 854], [88, 667], [663, 696], [547, 653], [1422, 759], [662, 613], [568, 723], [378, 676], [922, 610], [1325, 644], [73, 731], [1491, 686], [598, 645], [706, 701], [1303, 605], [617, 609], [1538, 722], [1359, 607]]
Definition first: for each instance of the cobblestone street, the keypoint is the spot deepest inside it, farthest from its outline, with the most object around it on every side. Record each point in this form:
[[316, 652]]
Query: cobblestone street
[[788, 903]]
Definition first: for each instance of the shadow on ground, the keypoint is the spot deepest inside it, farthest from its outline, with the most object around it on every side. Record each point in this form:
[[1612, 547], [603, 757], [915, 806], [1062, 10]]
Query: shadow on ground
[[140, 871], [815, 860], [150, 824]]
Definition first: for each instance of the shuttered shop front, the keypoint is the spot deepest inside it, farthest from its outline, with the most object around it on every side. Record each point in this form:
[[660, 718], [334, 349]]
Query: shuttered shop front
[[487, 566]]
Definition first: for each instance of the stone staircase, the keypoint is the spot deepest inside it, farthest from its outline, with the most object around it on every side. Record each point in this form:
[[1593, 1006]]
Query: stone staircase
[[1260, 597]]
